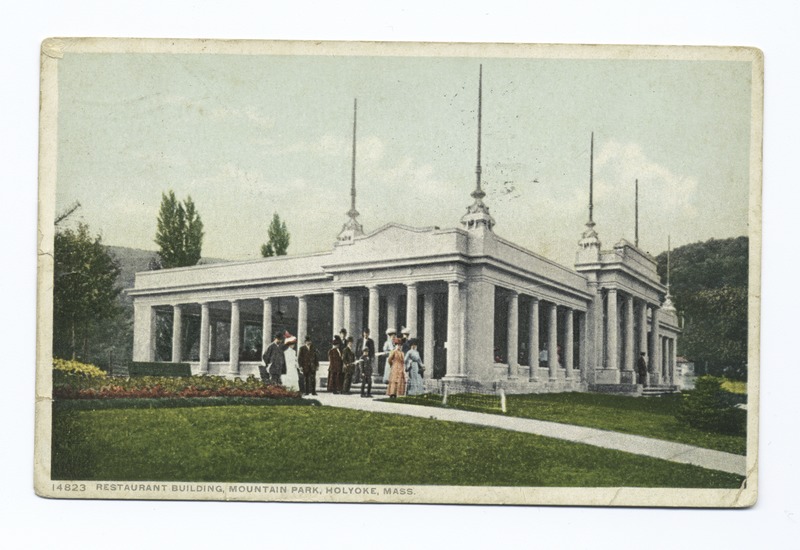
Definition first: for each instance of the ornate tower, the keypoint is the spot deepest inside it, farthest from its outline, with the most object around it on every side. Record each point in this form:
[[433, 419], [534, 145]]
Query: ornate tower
[[477, 216], [589, 245], [352, 228], [668, 305]]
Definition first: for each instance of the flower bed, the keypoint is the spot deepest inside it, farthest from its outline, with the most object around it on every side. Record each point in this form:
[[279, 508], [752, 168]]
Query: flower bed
[[148, 387]]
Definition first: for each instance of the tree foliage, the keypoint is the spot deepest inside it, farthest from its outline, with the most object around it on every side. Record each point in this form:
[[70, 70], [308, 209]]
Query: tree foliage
[[85, 291], [278, 242], [180, 232], [708, 281]]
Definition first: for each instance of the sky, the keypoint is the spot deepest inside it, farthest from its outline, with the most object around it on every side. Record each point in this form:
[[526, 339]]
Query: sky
[[246, 136]]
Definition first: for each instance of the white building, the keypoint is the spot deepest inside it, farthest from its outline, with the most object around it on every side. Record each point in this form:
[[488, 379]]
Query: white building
[[484, 308]]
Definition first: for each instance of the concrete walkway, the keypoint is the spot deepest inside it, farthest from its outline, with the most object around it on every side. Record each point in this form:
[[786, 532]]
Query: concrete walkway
[[636, 444]]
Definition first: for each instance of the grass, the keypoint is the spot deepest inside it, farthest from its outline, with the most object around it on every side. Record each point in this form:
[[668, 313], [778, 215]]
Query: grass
[[294, 444], [650, 417]]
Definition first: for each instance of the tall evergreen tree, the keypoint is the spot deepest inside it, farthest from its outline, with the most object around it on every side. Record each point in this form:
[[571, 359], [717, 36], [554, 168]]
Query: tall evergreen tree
[[180, 232], [279, 237], [85, 291]]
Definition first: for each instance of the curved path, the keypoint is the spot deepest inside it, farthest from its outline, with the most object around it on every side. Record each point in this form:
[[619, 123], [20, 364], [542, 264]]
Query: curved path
[[636, 444]]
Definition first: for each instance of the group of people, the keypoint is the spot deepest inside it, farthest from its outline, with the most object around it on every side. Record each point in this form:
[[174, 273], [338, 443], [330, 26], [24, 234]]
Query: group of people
[[347, 365], [282, 359]]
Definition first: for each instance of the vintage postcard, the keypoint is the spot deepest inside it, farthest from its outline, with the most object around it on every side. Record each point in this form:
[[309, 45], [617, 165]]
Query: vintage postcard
[[399, 272]]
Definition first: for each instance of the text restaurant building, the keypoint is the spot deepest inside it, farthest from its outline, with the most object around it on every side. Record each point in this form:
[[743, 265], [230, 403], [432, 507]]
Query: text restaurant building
[[487, 312]]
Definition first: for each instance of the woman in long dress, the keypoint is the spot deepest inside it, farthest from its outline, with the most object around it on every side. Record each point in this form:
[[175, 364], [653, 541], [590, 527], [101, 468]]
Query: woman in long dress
[[397, 376], [292, 377], [414, 369], [388, 346]]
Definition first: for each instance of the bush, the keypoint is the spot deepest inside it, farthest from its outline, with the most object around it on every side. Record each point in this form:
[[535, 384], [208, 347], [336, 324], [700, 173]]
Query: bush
[[708, 407], [63, 367], [140, 368]]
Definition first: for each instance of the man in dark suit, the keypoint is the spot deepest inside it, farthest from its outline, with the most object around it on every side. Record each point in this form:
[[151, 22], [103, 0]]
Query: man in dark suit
[[365, 342], [274, 361], [641, 367], [309, 363]]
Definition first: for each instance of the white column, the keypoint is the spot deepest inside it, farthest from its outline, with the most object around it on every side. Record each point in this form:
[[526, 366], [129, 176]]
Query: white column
[[338, 310], [212, 340], [582, 347], [512, 353], [453, 329], [177, 329], [612, 330], [302, 319], [204, 337], [266, 327], [643, 328], [347, 312], [552, 342], [427, 338], [533, 340], [630, 361], [374, 312], [655, 348], [391, 311], [235, 337], [411, 309], [568, 339]]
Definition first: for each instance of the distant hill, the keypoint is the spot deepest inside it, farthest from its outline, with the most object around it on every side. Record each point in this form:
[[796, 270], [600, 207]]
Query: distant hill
[[132, 260]]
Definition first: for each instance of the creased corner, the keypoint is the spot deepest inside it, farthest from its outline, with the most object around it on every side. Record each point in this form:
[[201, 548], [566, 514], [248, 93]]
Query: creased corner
[[53, 48]]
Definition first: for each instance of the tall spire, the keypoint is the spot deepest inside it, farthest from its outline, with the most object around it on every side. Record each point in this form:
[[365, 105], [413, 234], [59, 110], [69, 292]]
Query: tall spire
[[589, 245], [636, 234], [352, 228], [477, 216], [668, 305]]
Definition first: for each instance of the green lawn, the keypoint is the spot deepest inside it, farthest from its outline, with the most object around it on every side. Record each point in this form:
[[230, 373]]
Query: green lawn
[[651, 417], [295, 444]]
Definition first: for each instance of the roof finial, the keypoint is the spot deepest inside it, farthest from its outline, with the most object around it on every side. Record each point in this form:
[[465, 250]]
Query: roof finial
[[591, 180], [589, 245], [477, 215], [352, 228], [668, 305]]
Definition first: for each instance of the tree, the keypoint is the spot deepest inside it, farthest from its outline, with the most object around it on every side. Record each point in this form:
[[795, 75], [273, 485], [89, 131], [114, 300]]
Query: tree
[[278, 242], [708, 282], [85, 291], [180, 232]]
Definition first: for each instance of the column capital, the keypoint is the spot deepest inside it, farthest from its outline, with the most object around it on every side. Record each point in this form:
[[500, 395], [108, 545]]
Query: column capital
[[412, 284], [302, 297], [453, 283], [235, 301]]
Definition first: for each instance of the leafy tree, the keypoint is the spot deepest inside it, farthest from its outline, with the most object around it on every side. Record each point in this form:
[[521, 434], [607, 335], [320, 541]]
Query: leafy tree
[[85, 291], [180, 232], [708, 281], [278, 242]]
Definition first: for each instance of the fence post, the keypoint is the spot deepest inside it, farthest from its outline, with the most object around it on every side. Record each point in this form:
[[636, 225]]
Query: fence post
[[502, 399], [444, 394]]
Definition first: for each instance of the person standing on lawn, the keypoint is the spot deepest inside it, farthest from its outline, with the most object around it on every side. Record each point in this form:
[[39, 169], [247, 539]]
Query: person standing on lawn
[[309, 363], [397, 375], [274, 361], [335, 366], [292, 379], [414, 369], [348, 365]]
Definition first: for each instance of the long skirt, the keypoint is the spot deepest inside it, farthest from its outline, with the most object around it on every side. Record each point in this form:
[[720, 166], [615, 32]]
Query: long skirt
[[397, 380]]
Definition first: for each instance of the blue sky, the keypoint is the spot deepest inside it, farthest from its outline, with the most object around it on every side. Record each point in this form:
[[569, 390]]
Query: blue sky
[[249, 135]]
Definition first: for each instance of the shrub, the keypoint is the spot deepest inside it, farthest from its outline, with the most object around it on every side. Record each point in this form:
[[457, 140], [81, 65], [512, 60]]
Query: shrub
[[708, 407], [63, 366]]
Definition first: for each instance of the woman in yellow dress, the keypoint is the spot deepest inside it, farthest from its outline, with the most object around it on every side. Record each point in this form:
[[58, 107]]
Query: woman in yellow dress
[[397, 376]]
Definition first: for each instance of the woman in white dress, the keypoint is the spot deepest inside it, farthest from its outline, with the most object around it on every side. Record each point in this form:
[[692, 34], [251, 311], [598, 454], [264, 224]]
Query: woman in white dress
[[292, 377], [387, 349]]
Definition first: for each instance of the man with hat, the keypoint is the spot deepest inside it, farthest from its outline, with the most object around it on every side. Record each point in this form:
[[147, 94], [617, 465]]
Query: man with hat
[[342, 339], [364, 343], [309, 363], [388, 346], [274, 361], [335, 366], [365, 365], [348, 365]]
